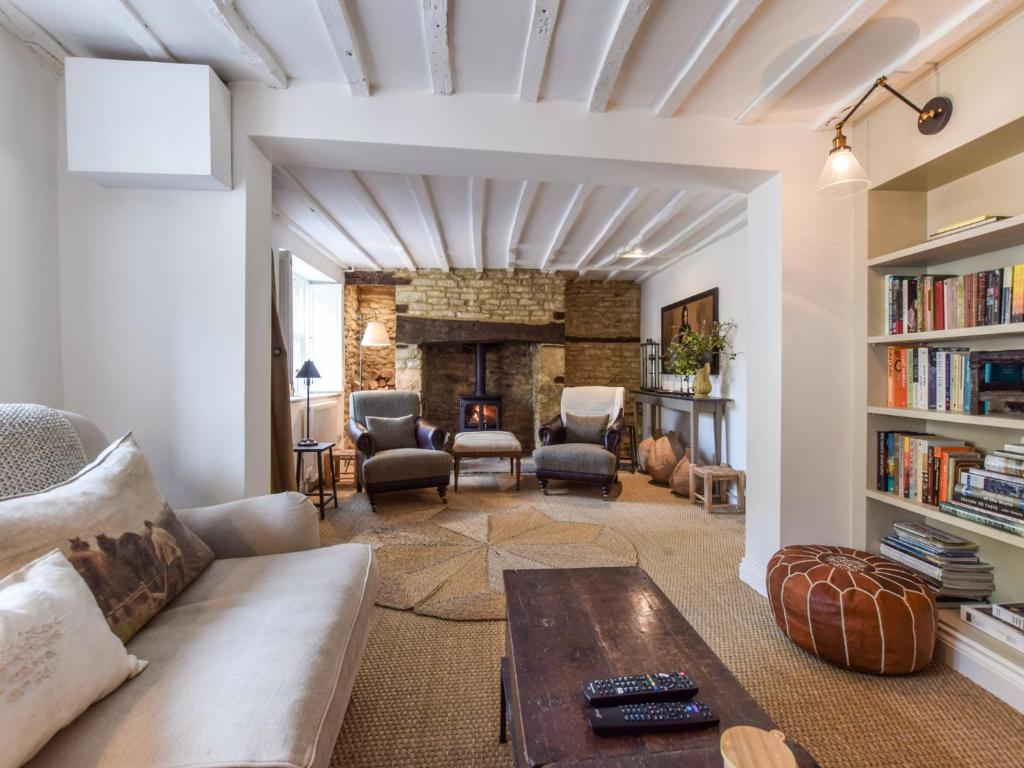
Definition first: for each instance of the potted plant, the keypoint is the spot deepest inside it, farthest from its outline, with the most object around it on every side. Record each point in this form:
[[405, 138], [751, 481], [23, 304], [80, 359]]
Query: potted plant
[[691, 352]]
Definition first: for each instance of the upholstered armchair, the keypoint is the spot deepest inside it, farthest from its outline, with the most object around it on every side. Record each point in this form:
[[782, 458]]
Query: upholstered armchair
[[396, 448], [581, 444]]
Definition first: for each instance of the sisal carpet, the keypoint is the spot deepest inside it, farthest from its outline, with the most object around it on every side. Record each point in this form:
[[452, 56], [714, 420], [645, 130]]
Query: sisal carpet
[[427, 691]]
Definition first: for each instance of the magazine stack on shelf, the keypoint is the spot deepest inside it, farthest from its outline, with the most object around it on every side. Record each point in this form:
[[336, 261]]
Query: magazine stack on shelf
[[993, 493], [1003, 622], [947, 563]]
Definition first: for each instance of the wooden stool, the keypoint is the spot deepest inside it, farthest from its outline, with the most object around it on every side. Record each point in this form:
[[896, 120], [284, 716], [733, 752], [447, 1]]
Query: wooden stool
[[345, 464], [714, 487], [630, 450]]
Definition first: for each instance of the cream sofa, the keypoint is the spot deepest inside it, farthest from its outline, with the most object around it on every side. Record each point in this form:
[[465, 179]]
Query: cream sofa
[[253, 664]]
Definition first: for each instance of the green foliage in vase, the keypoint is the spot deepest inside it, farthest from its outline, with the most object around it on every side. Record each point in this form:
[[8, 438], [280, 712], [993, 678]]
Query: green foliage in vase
[[691, 349]]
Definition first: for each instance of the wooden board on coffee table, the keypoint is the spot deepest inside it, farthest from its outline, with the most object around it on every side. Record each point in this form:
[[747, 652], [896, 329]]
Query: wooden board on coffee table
[[568, 626]]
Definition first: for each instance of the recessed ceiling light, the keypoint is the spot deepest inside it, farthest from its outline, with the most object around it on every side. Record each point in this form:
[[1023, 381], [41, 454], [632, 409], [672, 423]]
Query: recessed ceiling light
[[637, 254]]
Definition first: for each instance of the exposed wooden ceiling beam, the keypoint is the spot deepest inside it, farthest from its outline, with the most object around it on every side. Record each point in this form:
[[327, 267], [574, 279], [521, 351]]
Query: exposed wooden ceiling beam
[[139, 31], [627, 206], [711, 46], [435, 33], [428, 214], [820, 48], [478, 209], [633, 12], [289, 181], [572, 213], [336, 19], [246, 41], [25, 29], [956, 29], [311, 241], [524, 205], [726, 229], [538, 42], [373, 210], [667, 211], [680, 237]]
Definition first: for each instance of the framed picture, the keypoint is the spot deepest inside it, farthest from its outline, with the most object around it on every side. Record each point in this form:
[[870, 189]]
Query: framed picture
[[698, 312]]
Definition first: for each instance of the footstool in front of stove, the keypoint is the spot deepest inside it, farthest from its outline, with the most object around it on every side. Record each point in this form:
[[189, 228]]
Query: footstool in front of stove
[[488, 444]]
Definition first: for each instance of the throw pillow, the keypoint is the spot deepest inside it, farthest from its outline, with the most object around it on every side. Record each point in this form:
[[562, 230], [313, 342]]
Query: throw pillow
[[585, 429], [116, 529], [57, 655], [389, 434]]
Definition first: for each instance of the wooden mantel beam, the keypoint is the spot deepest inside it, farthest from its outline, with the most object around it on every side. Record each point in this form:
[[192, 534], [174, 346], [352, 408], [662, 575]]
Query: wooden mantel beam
[[428, 330]]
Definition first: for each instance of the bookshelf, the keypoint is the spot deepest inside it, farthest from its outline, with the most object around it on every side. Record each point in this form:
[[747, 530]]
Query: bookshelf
[[895, 219]]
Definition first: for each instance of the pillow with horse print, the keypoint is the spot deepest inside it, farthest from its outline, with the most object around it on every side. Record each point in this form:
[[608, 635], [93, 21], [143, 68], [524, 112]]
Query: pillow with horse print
[[115, 528]]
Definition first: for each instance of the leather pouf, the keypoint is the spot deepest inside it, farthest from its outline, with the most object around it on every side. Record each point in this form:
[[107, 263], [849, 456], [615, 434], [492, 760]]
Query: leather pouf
[[680, 479], [667, 452], [852, 608]]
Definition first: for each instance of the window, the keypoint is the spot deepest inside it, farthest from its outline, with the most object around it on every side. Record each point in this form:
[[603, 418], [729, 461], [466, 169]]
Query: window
[[316, 327]]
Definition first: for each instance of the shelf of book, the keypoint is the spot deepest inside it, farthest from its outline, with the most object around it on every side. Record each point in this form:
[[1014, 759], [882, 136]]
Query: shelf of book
[[934, 513], [995, 421], [992, 237], [953, 334]]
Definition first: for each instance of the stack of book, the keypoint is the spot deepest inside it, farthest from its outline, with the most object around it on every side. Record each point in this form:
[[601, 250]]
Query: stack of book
[[939, 302], [935, 378], [1003, 622], [947, 563], [922, 467], [993, 493]]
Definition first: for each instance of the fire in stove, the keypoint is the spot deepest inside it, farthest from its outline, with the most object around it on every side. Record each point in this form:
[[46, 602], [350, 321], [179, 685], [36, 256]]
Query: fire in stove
[[480, 411]]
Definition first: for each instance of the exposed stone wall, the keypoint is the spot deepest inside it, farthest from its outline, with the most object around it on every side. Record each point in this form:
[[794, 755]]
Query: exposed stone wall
[[493, 295], [548, 381], [374, 302]]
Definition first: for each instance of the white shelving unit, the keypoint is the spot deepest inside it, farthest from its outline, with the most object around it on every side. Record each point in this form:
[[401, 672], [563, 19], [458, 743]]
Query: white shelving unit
[[899, 215]]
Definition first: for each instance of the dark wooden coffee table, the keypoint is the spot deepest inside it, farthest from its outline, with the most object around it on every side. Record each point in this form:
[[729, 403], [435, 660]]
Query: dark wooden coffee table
[[568, 626]]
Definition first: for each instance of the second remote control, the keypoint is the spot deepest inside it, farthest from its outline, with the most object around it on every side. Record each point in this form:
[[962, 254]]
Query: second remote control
[[645, 718], [662, 686]]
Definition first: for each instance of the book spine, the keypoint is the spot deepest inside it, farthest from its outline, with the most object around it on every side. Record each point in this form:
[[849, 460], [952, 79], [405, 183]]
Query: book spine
[[880, 482], [992, 627], [932, 401], [931, 571], [1009, 617], [1014, 504], [1006, 487], [1004, 465], [1018, 293], [981, 518], [983, 505], [891, 375], [940, 305]]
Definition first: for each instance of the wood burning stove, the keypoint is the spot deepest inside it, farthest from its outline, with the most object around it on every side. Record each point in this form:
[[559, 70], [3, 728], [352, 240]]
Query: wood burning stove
[[480, 411]]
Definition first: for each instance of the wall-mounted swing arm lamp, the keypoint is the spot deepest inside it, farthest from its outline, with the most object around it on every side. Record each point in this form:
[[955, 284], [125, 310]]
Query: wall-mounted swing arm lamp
[[843, 175]]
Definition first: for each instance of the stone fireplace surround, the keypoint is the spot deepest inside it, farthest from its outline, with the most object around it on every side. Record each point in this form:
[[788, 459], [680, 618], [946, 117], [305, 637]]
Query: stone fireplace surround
[[544, 332]]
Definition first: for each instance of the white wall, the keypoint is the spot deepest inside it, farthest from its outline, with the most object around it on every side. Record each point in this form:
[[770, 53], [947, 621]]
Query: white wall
[[30, 348], [718, 265]]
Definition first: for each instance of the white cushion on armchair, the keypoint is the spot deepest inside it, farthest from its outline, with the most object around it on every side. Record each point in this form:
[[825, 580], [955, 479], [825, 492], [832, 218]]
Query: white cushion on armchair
[[593, 401]]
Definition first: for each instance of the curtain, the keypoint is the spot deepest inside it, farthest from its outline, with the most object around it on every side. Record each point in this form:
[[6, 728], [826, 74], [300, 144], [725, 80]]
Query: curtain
[[282, 475]]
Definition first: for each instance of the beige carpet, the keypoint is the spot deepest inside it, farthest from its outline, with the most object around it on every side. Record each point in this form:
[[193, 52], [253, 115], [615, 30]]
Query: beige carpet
[[427, 692], [450, 564]]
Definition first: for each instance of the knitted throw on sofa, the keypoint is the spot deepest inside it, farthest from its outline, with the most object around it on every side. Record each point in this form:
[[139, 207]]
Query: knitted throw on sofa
[[38, 448]]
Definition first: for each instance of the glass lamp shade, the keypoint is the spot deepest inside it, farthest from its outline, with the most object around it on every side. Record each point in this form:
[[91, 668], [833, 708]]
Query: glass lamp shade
[[376, 335], [841, 176], [308, 371]]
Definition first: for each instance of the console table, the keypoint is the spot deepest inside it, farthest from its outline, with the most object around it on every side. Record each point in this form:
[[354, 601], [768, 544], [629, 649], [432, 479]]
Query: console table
[[695, 406]]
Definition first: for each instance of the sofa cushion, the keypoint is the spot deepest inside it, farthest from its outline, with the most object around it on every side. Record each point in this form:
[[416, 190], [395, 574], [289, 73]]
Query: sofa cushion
[[406, 464], [576, 458], [585, 429], [388, 433], [243, 667]]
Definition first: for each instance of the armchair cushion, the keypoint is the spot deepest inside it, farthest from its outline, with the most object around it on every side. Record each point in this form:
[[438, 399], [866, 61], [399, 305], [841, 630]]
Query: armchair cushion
[[388, 403], [403, 464], [585, 429], [575, 459], [389, 433]]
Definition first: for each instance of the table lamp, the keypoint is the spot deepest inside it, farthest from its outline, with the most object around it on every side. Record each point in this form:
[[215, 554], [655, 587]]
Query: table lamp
[[308, 372], [375, 335]]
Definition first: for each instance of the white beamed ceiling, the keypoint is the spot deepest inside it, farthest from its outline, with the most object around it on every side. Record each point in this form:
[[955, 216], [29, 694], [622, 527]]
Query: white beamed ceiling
[[800, 61]]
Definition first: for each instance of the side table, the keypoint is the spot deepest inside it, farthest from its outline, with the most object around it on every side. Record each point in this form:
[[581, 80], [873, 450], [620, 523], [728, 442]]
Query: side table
[[318, 449]]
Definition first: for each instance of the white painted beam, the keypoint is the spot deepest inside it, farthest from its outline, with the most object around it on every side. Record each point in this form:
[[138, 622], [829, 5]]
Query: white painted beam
[[572, 213], [311, 241], [289, 181], [373, 210], [731, 226], [246, 41], [428, 214], [478, 209], [435, 34], [711, 46], [652, 225], [626, 207], [334, 15], [524, 205], [139, 31], [949, 35], [538, 42], [680, 237], [820, 49], [25, 29], [633, 12]]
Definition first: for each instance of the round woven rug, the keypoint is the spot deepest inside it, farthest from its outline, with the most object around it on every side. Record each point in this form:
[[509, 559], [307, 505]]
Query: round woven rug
[[450, 565]]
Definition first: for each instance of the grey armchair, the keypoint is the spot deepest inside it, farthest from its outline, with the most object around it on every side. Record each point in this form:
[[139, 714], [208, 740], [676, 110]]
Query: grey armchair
[[426, 465]]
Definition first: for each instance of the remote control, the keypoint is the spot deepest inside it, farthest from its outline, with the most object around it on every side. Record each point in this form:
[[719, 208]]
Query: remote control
[[645, 718], [662, 686]]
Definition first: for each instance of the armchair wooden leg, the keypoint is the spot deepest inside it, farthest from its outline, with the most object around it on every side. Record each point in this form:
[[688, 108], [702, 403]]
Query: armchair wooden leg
[[373, 503], [543, 485], [441, 491], [606, 490]]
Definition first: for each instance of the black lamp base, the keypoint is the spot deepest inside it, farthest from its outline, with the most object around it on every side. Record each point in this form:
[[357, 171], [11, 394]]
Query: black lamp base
[[307, 441]]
